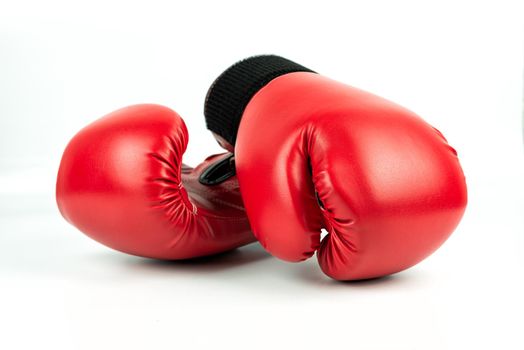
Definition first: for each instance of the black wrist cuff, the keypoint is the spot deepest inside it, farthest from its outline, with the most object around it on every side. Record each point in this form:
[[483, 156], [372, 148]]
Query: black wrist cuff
[[230, 93]]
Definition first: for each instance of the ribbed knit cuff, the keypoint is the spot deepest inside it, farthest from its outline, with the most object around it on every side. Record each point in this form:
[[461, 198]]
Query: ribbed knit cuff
[[230, 93]]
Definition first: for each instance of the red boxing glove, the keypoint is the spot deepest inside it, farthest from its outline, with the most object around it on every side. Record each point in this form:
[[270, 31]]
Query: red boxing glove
[[122, 182], [312, 152]]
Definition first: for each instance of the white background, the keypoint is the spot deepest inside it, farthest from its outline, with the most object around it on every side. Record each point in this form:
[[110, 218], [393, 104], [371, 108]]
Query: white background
[[65, 63]]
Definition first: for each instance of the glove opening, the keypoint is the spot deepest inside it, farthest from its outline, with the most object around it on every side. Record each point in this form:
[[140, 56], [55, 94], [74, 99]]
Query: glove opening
[[219, 171]]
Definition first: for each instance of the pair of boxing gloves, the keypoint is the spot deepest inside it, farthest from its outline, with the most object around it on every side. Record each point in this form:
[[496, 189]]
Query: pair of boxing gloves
[[305, 153]]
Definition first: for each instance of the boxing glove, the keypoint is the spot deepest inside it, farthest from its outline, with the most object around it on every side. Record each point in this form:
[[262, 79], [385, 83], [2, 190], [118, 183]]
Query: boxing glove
[[313, 153], [121, 181]]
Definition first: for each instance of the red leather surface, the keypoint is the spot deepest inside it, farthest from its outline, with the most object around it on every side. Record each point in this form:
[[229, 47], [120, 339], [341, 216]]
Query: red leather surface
[[122, 182], [391, 187]]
